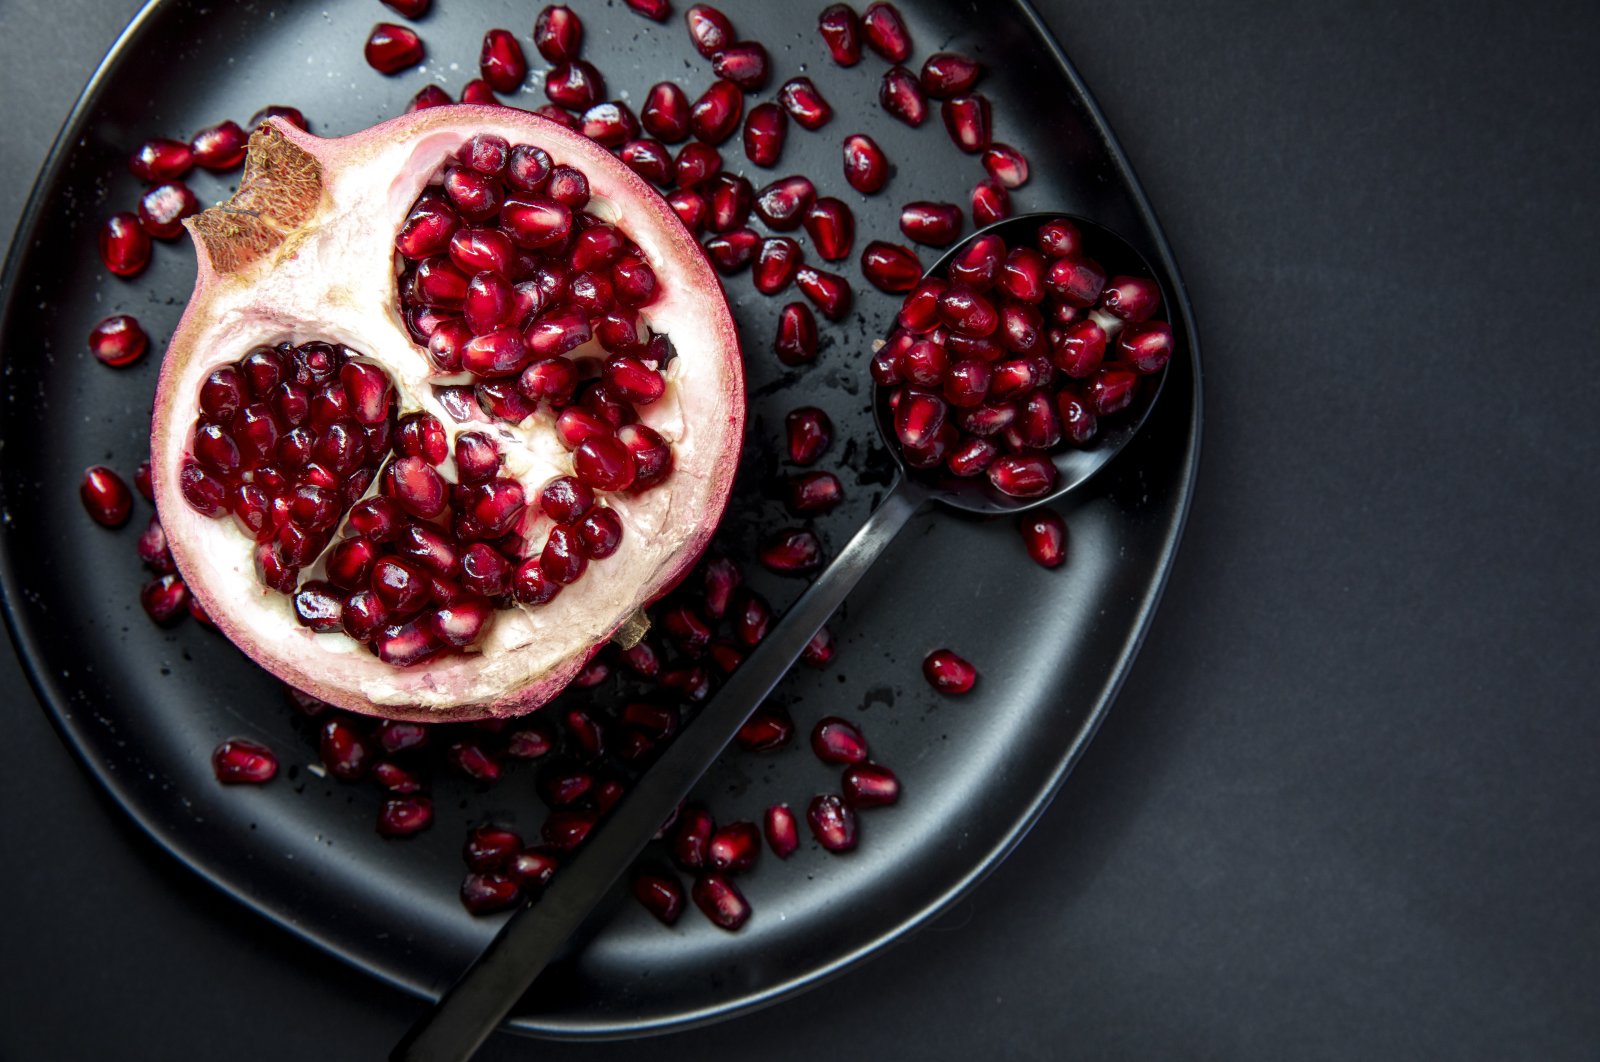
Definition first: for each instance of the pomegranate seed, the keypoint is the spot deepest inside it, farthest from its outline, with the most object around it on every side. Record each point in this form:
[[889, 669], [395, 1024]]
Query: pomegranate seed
[[733, 251], [690, 207], [870, 785], [649, 159], [752, 620], [471, 759], [531, 586], [478, 91], [978, 264], [968, 312], [219, 147], [164, 599], [397, 736], [1022, 275], [161, 160], [502, 62], [835, 740], [691, 840], [814, 493], [776, 265], [745, 64], [343, 751], [118, 340], [709, 29], [722, 578], [792, 552], [804, 103], [810, 432], [390, 48], [886, 32], [967, 383], [405, 816], [734, 847], [661, 895], [665, 114], [729, 199], [1132, 299], [832, 823], [1078, 349], [533, 868], [783, 837], [428, 96], [1044, 534], [933, 224], [796, 342], [720, 900], [841, 32], [832, 228], [948, 673], [611, 124], [152, 548], [783, 203], [902, 97], [141, 481], [829, 292], [947, 74], [558, 34], [566, 830], [923, 363], [769, 728], [574, 85], [658, 10], [240, 760], [972, 456], [163, 208], [890, 267], [604, 463], [396, 779], [865, 165], [819, 651], [1076, 281], [990, 202], [124, 245], [1060, 239], [490, 848], [412, 9], [764, 130], [1023, 476], [967, 120], [715, 115], [919, 419], [487, 893], [105, 496], [1147, 347], [1006, 165]]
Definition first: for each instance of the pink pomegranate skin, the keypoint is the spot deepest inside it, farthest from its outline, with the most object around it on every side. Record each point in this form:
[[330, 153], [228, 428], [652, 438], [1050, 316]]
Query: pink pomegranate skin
[[291, 183]]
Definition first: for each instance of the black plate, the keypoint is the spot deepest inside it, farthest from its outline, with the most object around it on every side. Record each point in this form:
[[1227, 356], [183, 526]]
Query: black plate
[[143, 707]]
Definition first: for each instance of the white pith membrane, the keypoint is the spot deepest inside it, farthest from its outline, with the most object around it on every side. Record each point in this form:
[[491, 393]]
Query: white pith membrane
[[333, 279]]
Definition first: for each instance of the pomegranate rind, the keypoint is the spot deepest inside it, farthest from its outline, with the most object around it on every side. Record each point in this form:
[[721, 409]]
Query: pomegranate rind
[[316, 262]]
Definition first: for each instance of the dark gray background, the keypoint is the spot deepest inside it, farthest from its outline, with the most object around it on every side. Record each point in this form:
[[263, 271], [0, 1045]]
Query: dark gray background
[[1346, 804]]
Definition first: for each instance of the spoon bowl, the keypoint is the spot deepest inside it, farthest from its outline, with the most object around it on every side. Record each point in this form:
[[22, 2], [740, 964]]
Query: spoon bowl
[[1074, 465]]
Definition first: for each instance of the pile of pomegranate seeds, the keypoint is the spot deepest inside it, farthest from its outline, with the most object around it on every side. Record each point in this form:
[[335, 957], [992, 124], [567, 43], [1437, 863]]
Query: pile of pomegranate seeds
[[1016, 353]]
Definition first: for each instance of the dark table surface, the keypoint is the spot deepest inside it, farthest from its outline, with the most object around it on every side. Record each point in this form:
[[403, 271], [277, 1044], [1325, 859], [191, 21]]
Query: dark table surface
[[1346, 804]]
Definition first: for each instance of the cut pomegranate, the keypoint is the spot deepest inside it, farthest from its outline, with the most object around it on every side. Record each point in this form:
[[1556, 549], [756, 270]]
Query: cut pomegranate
[[901, 95], [558, 33], [391, 49], [1044, 534], [720, 900], [118, 340], [841, 32], [866, 167], [886, 32], [764, 130], [804, 103], [833, 823], [242, 761], [511, 273], [948, 673], [661, 895]]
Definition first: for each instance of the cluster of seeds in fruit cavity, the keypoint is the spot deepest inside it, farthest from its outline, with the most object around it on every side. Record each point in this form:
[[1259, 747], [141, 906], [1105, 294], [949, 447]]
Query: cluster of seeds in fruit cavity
[[1018, 352]]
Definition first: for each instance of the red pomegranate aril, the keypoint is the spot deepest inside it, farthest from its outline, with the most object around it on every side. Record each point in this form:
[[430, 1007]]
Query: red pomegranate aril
[[490, 848], [1021, 329], [1044, 535], [604, 463], [819, 651], [967, 383], [555, 333], [529, 742], [932, 224], [240, 761], [502, 62], [768, 729], [890, 267], [722, 577], [783, 203], [485, 571], [350, 564], [394, 735], [751, 619], [947, 74], [163, 208], [690, 207], [317, 605], [391, 49], [141, 481], [990, 202], [533, 868], [105, 496], [552, 380], [649, 159], [1079, 349], [400, 586], [575, 85], [814, 493], [152, 548], [558, 33], [1037, 426], [656, 10], [118, 340], [971, 456], [1022, 275], [665, 114], [715, 115], [886, 32], [1023, 476], [691, 838], [558, 114], [967, 120], [488, 893], [833, 823], [164, 599], [978, 265], [734, 847], [565, 499], [866, 167], [161, 159], [919, 313], [745, 63], [828, 292], [496, 506], [765, 128], [574, 425], [729, 198], [219, 147], [369, 391], [709, 29], [611, 123], [412, 9], [800, 97], [968, 312], [1060, 239], [792, 552], [948, 673], [870, 785], [428, 230], [733, 251], [923, 364], [902, 97], [1133, 299], [416, 486], [1146, 346], [776, 265], [1006, 165], [405, 816], [634, 281], [720, 900], [440, 284], [343, 750], [1011, 378], [838, 741], [599, 534], [634, 380], [832, 228], [489, 305], [783, 835], [471, 759], [531, 586], [562, 558], [485, 153], [376, 518], [810, 432], [428, 96], [796, 341], [661, 895], [1112, 390], [124, 245]]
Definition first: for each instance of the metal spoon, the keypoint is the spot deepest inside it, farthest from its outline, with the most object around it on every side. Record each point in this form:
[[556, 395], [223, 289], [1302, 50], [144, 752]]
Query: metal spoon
[[491, 986]]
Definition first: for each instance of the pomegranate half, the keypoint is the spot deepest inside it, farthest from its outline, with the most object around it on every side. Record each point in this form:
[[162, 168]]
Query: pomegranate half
[[397, 340]]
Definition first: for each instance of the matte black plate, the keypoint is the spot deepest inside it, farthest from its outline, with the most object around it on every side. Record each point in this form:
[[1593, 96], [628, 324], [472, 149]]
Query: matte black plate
[[143, 707]]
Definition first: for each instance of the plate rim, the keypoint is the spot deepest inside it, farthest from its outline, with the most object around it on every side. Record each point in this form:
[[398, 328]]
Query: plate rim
[[50, 698]]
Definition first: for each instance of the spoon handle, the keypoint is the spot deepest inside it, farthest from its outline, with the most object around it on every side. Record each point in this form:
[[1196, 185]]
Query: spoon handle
[[491, 986]]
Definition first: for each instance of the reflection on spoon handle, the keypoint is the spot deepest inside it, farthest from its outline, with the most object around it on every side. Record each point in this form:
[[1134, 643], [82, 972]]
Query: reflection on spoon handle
[[489, 988]]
